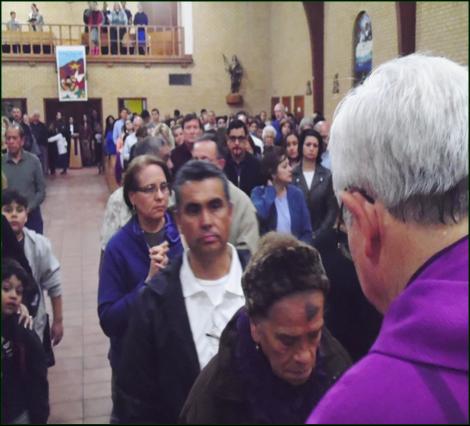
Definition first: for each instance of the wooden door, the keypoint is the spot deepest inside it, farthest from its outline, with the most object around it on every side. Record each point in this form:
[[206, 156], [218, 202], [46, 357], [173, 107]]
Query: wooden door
[[286, 101], [299, 110]]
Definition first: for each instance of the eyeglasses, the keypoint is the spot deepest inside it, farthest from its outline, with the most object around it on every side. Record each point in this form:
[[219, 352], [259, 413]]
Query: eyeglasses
[[164, 188], [240, 139], [341, 231]]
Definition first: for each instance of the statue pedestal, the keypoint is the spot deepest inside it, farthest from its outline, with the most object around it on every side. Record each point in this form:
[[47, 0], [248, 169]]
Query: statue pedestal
[[234, 99]]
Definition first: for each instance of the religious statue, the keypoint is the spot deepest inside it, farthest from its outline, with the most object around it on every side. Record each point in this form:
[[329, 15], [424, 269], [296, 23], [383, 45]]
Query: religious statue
[[235, 70]]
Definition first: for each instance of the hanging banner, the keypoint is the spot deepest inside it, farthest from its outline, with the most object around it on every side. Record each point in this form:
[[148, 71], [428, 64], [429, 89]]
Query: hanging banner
[[71, 73]]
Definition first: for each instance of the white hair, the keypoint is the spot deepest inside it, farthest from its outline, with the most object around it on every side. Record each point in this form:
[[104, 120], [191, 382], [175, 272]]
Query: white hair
[[137, 119], [402, 136], [318, 125], [268, 129]]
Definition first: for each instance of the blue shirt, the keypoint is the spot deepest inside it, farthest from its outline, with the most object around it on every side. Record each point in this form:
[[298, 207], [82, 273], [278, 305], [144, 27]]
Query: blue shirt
[[117, 129], [283, 215]]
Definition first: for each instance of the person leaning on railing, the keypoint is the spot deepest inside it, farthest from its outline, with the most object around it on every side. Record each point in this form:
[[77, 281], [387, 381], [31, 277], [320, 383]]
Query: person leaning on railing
[[118, 18], [35, 18], [141, 18]]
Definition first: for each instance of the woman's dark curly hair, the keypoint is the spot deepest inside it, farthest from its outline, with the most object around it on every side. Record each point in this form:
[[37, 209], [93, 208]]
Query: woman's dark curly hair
[[281, 266]]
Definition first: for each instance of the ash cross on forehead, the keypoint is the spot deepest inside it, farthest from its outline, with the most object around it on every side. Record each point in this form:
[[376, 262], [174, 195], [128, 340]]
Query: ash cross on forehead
[[311, 311]]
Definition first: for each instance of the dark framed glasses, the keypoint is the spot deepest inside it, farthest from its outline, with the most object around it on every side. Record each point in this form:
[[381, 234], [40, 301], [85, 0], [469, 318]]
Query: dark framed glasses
[[341, 231]]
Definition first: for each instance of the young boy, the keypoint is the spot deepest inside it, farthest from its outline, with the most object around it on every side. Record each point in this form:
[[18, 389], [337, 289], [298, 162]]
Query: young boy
[[25, 391], [44, 265]]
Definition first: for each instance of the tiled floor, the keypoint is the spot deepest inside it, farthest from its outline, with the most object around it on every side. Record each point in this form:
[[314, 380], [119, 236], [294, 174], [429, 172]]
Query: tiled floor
[[79, 383]]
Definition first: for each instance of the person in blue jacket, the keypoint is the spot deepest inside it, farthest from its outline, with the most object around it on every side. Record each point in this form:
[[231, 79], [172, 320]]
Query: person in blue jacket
[[138, 251], [280, 205]]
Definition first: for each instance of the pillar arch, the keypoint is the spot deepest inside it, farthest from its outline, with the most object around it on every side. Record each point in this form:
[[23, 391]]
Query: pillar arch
[[316, 24], [406, 22]]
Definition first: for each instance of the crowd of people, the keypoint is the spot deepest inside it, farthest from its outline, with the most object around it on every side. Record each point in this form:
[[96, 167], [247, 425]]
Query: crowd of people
[[117, 20], [265, 270]]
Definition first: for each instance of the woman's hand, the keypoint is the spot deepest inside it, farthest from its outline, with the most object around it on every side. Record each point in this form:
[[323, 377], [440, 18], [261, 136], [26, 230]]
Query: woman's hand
[[158, 258], [25, 318]]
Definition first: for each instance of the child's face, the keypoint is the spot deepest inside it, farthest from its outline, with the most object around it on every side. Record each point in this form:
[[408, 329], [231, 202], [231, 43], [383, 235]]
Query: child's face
[[16, 215], [12, 295]]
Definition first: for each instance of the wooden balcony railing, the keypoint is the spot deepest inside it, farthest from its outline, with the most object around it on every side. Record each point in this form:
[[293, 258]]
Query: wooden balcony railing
[[104, 43]]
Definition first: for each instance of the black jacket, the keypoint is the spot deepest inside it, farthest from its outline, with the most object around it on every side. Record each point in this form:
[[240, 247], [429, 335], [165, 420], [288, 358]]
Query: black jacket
[[219, 396], [24, 373], [180, 156], [320, 198], [40, 132], [159, 362], [246, 175]]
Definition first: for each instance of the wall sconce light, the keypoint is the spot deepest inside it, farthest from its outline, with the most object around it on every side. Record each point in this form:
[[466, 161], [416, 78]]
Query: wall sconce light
[[335, 84], [309, 88]]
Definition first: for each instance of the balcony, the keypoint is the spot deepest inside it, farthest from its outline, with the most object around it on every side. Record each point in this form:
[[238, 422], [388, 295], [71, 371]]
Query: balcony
[[104, 44]]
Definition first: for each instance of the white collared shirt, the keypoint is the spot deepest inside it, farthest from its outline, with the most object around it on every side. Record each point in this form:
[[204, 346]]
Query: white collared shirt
[[210, 305]]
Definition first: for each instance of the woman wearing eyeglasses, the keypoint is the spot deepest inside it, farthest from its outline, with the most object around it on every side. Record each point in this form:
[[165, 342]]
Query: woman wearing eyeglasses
[[137, 252]]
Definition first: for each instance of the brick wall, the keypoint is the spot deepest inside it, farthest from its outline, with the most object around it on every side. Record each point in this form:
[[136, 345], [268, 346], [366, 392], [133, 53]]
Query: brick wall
[[339, 27], [442, 28], [271, 40], [291, 58], [219, 28]]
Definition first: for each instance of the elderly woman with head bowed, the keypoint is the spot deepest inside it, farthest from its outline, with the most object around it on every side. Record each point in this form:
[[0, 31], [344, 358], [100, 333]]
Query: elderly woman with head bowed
[[276, 358]]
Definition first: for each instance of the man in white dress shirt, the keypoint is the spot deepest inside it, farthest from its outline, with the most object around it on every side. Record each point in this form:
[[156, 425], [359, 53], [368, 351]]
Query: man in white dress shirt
[[179, 316]]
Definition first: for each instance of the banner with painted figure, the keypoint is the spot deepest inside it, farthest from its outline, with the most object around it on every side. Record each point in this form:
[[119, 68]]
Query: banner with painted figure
[[362, 48], [71, 73]]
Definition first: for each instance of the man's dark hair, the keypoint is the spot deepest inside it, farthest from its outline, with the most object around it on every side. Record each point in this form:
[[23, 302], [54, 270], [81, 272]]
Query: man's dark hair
[[156, 109], [282, 266], [203, 110], [176, 113], [237, 124], [13, 196], [318, 116], [196, 170], [321, 145], [145, 114], [191, 117]]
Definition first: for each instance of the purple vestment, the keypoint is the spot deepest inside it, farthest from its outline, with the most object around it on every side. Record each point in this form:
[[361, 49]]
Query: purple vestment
[[417, 370]]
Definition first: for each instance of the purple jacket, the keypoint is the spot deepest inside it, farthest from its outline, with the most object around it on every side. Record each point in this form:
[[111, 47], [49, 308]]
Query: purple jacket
[[417, 370]]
